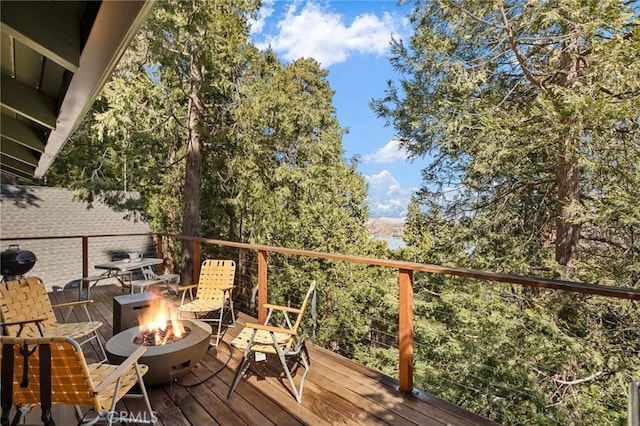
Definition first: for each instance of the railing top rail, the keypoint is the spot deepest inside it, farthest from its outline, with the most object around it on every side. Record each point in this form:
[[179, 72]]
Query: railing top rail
[[66, 237], [576, 287], [571, 286]]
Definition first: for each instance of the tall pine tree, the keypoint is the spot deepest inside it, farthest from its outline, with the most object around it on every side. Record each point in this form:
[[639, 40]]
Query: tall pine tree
[[530, 113]]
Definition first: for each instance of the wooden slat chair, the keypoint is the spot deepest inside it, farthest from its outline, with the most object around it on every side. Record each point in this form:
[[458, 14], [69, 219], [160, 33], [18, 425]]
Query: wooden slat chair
[[213, 293], [26, 311], [52, 370], [286, 341]]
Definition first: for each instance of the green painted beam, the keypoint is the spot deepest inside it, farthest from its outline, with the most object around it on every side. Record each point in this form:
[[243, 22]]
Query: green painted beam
[[22, 133], [18, 152], [28, 102], [46, 27], [15, 167]]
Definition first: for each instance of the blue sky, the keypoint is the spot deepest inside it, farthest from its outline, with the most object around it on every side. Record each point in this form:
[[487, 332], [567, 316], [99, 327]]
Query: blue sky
[[351, 40]]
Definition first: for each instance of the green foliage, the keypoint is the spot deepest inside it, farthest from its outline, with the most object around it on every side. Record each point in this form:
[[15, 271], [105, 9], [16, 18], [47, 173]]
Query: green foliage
[[496, 124], [519, 360], [503, 95], [291, 187], [291, 183], [272, 169], [530, 114]]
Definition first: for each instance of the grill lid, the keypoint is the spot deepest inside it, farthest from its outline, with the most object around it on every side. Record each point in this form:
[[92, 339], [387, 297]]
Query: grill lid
[[14, 261]]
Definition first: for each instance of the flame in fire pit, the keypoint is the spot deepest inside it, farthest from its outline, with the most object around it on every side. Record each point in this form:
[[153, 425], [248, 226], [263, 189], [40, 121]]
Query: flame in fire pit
[[161, 321]]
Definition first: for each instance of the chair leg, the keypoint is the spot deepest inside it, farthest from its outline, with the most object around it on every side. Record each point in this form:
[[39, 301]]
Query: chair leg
[[145, 396], [301, 357], [219, 325], [283, 360], [294, 389], [242, 368], [306, 363], [100, 351], [103, 352], [109, 416]]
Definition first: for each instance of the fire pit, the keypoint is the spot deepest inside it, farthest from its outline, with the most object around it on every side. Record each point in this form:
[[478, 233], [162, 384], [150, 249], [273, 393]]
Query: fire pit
[[174, 346]]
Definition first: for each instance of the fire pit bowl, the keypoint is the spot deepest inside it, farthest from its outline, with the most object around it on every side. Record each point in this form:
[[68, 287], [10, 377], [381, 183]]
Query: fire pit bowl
[[166, 362]]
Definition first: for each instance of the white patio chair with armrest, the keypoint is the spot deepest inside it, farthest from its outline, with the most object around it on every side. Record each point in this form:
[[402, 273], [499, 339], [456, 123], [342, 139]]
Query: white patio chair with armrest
[[150, 274], [26, 310], [285, 342], [170, 281], [52, 370], [213, 293]]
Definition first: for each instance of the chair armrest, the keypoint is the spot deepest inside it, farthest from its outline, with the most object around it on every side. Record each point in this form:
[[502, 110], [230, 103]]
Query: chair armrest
[[72, 304], [122, 368], [187, 287], [36, 320], [184, 288], [282, 308], [270, 328], [22, 323]]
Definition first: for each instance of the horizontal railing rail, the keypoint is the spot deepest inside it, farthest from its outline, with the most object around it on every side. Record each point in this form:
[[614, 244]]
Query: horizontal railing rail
[[570, 286], [405, 282]]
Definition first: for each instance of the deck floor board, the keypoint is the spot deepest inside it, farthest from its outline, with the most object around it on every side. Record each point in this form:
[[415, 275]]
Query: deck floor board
[[336, 391]]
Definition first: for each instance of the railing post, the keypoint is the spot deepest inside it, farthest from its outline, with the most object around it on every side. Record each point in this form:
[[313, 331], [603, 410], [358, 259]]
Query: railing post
[[262, 286], [159, 253], [85, 256], [405, 339], [196, 261]]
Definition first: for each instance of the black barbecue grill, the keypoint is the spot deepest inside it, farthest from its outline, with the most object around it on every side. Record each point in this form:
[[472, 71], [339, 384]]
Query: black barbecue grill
[[15, 262]]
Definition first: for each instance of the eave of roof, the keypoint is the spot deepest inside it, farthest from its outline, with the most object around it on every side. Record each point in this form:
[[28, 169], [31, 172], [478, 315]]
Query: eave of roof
[[56, 57]]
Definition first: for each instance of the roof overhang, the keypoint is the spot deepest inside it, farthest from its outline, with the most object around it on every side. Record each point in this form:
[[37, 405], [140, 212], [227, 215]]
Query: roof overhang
[[56, 57]]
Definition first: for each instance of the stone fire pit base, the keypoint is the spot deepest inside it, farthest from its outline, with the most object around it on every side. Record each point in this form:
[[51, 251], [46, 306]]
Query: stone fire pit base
[[166, 362]]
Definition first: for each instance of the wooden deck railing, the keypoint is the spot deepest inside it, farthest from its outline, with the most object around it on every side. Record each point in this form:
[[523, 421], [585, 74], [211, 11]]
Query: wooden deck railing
[[405, 282]]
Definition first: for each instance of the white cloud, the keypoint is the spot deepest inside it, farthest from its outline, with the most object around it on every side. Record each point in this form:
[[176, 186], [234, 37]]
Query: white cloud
[[387, 198], [312, 30], [266, 10], [389, 153]]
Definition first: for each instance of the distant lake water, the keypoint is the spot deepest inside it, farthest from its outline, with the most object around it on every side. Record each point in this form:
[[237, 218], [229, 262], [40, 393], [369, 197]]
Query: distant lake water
[[392, 242]]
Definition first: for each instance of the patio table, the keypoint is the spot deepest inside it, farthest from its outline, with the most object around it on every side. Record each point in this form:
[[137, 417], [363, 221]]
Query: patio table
[[123, 269]]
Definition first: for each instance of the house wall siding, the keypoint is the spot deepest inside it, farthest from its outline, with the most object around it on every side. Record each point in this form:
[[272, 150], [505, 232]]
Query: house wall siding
[[36, 211]]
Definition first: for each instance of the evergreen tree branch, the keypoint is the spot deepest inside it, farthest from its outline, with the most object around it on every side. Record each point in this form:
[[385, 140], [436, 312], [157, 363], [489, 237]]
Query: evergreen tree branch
[[609, 241], [475, 17], [579, 381], [514, 47]]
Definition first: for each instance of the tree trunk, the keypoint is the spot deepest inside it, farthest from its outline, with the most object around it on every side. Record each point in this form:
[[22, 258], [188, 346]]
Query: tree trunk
[[568, 175], [567, 234], [193, 175], [172, 218]]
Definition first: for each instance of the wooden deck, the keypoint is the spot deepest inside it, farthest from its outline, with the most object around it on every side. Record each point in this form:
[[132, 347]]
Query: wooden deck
[[336, 391]]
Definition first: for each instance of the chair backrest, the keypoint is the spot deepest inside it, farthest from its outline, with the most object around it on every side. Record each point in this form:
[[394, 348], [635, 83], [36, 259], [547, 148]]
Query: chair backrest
[[303, 307], [71, 381], [215, 276], [22, 300]]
